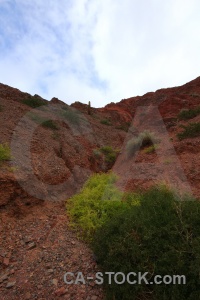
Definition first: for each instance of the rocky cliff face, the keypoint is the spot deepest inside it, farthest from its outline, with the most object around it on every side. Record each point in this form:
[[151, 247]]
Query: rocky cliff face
[[56, 147]]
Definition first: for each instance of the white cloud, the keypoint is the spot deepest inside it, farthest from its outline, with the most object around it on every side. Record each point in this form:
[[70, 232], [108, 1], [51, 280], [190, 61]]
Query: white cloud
[[101, 50], [146, 47]]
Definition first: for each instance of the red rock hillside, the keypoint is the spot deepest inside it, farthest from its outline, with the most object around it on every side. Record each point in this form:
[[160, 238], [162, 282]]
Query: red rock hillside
[[54, 149]]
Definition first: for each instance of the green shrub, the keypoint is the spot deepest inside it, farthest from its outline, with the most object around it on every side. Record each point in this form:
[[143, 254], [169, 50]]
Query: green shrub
[[186, 114], [106, 122], [4, 152], [160, 236], [42, 121], [106, 149], [50, 124], [144, 139], [71, 116], [110, 154], [150, 149], [191, 130], [111, 157], [34, 101], [98, 201]]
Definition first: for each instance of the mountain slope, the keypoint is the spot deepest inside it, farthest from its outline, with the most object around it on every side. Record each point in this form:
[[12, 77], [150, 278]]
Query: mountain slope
[[55, 147]]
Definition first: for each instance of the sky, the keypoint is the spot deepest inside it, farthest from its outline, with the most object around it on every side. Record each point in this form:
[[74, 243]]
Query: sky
[[98, 50]]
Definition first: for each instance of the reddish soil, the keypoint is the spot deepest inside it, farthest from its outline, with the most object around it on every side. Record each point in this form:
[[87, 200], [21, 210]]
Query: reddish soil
[[50, 165], [37, 250]]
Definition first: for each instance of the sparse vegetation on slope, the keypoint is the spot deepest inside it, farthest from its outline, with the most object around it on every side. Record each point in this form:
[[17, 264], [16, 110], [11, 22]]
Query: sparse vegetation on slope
[[150, 149], [34, 101], [71, 115], [43, 121], [186, 114], [191, 130], [106, 122], [127, 232], [4, 152], [110, 154], [50, 124], [144, 139]]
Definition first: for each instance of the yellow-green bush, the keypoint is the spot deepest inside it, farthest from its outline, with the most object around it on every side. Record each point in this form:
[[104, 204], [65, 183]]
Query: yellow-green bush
[[150, 149], [4, 152], [98, 201]]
